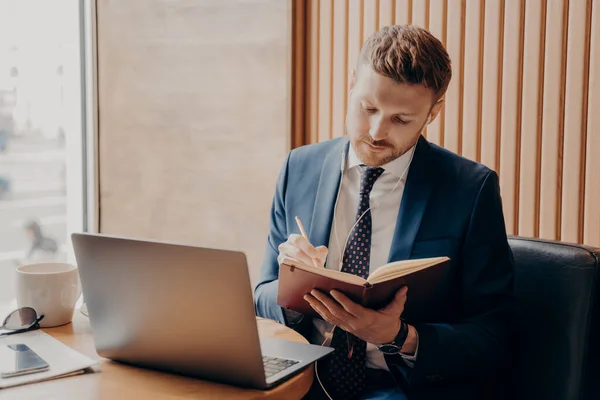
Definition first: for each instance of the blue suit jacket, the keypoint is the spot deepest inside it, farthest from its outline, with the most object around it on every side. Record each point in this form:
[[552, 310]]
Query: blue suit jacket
[[451, 207]]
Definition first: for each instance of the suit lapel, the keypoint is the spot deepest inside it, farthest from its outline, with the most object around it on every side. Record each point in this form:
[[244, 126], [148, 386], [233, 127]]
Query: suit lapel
[[414, 200], [329, 182]]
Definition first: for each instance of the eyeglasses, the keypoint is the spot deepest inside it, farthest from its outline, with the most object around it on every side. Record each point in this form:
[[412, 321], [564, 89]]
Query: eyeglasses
[[22, 320]]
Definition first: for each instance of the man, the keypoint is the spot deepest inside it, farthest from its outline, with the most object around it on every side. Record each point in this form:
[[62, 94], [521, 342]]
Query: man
[[384, 188]]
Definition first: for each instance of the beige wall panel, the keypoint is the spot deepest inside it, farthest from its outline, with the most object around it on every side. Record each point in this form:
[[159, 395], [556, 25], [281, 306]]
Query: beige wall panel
[[312, 71], [340, 67], [437, 26], [370, 17], [492, 83], [420, 17], [472, 71], [574, 128], [420, 13], [386, 13], [510, 116], [531, 124], [591, 231], [354, 44], [194, 119], [403, 13], [552, 119], [454, 96], [355, 17], [325, 68]]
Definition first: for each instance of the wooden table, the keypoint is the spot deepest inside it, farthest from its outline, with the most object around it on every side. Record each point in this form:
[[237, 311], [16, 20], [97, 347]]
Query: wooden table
[[114, 381]]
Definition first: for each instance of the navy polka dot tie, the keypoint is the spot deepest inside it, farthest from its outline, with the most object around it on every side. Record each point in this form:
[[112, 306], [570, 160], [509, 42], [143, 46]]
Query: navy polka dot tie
[[343, 372]]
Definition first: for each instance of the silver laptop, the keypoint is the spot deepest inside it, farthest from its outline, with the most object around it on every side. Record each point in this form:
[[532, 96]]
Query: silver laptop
[[181, 309]]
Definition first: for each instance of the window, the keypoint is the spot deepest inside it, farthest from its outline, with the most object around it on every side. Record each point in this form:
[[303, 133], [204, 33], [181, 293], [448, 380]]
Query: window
[[42, 135]]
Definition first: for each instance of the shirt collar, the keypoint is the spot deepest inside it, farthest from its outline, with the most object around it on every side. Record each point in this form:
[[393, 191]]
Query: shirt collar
[[395, 167]]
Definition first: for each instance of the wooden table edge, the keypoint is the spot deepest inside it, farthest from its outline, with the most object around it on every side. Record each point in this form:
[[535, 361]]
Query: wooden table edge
[[108, 380]]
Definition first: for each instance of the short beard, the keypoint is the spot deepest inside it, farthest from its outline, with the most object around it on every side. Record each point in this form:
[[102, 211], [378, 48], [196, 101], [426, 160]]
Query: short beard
[[378, 160]]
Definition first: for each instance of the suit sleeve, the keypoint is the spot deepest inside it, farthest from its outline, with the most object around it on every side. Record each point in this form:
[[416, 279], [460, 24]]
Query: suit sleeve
[[477, 345], [265, 292]]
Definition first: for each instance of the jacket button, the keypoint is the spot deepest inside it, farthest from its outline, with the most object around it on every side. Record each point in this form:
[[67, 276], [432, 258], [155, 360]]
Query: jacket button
[[433, 378]]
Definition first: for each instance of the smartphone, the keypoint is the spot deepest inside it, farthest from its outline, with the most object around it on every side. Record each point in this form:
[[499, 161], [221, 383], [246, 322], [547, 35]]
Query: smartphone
[[19, 359]]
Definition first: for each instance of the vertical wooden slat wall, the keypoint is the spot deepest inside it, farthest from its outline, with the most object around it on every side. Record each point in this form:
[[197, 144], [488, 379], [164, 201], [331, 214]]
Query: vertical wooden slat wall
[[510, 113], [437, 26], [454, 96], [553, 118], [575, 112], [529, 172], [524, 97], [591, 226]]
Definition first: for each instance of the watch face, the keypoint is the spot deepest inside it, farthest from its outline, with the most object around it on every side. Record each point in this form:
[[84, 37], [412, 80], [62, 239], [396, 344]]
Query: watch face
[[389, 349]]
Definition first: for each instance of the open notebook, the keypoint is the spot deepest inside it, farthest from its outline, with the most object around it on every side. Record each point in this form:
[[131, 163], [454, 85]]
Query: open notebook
[[296, 279], [63, 360]]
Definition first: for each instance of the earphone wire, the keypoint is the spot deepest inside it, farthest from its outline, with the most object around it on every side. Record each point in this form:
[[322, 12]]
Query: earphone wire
[[329, 334], [342, 249]]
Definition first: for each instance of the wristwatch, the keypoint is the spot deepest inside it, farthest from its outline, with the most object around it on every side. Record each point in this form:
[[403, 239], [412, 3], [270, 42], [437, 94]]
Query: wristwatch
[[395, 345]]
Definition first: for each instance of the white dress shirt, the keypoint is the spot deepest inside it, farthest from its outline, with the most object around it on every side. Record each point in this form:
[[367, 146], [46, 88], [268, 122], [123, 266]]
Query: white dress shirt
[[386, 196]]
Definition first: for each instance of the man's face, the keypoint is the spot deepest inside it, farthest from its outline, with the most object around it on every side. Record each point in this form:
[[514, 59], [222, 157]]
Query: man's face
[[384, 118]]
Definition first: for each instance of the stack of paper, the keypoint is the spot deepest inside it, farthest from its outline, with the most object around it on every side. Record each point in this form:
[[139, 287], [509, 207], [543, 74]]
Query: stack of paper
[[63, 360]]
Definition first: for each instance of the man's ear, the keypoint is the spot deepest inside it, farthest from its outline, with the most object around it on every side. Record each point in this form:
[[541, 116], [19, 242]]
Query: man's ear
[[352, 80], [435, 110]]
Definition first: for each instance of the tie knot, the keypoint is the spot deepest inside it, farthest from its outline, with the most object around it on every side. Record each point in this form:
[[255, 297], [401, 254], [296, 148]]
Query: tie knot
[[368, 177]]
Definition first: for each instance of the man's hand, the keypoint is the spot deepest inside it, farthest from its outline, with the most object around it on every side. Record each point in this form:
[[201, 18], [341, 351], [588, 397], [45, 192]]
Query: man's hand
[[299, 247], [373, 326]]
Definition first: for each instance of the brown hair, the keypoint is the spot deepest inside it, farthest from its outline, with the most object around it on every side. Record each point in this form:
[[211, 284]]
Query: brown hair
[[408, 54]]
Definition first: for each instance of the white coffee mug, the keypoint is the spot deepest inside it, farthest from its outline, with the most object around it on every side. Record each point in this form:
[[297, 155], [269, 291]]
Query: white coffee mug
[[51, 289]]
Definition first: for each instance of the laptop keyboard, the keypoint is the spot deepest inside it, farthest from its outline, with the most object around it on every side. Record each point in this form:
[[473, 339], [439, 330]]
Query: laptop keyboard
[[274, 365]]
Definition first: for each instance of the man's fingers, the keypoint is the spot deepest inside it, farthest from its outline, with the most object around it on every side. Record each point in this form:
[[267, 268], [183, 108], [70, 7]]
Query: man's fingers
[[322, 257], [323, 311], [396, 306], [299, 247], [332, 306], [288, 250], [351, 307], [303, 244], [322, 251]]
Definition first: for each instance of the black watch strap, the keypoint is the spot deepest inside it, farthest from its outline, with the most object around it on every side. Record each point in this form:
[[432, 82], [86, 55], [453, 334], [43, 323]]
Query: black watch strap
[[403, 334], [396, 345]]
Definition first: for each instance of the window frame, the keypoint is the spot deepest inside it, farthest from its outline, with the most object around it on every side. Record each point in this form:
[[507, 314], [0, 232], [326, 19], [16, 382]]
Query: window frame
[[82, 150]]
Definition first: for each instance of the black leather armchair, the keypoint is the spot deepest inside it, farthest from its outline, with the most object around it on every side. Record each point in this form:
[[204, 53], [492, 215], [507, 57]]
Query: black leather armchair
[[557, 310]]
